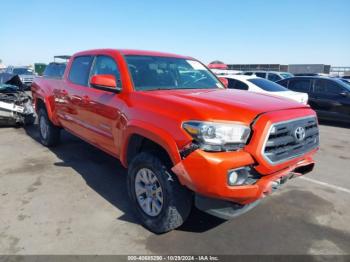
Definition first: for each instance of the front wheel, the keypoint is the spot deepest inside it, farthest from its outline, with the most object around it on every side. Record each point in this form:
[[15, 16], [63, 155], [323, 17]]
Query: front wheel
[[162, 204]]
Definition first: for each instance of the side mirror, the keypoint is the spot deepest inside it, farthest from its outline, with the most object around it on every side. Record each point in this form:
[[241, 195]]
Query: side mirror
[[105, 82], [224, 81]]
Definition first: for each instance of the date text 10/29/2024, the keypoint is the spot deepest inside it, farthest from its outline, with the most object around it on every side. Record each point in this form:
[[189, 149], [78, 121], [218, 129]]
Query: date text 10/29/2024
[[173, 258]]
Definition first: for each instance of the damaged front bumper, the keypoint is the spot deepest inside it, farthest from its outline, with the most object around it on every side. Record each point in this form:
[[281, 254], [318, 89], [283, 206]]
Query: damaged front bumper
[[206, 174]]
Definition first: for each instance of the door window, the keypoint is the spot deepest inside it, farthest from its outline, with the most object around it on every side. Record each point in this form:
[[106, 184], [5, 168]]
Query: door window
[[300, 85], [80, 70], [105, 65], [274, 77], [235, 84], [326, 86], [259, 74], [283, 83]]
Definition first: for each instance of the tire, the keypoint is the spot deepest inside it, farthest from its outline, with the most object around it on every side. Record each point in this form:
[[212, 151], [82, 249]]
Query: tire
[[29, 120], [49, 133], [176, 199]]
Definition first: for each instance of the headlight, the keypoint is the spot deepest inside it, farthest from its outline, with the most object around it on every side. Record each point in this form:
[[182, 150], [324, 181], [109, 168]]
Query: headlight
[[214, 136]]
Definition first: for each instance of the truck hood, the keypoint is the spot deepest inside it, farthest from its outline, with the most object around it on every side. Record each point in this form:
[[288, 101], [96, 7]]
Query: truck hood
[[214, 104]]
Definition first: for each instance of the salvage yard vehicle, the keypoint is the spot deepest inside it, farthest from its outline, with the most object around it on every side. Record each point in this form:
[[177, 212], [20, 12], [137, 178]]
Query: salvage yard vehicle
[[328, 96], [15, 106], [25, 74], [261, 85], [184, 138], [270, 75]]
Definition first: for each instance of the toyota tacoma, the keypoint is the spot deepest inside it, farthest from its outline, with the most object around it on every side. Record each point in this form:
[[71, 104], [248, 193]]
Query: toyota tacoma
[[185, 139]]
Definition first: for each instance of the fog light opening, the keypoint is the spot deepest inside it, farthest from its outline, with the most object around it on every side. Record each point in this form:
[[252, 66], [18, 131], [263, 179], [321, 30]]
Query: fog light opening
[[232, 178], [240, 176]]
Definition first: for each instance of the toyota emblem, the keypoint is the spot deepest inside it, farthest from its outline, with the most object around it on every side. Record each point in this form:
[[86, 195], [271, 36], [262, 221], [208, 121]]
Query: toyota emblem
[[299, 133]]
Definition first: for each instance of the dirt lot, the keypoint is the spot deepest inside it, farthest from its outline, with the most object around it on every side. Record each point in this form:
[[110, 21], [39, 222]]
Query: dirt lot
[[73, 200]]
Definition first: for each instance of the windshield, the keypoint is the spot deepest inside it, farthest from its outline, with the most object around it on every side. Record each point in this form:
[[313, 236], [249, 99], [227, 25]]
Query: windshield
[[267, 85], [286, 75], [154, 73], [22, 71]]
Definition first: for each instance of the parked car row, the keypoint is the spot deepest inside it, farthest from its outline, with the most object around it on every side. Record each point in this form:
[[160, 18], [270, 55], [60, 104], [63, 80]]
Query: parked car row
[[270, 75], [328, 96]]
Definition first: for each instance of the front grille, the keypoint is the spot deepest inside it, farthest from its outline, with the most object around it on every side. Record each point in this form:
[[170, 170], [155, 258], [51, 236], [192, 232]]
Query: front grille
[[291, 139]]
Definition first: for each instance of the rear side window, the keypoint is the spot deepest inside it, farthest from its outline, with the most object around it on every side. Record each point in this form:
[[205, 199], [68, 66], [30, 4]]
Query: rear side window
[[80, 70], [283, 83], [273, 77], [267, 85], [236, 84], [327, 86], [248, 73], [300, 85], [259, 74]]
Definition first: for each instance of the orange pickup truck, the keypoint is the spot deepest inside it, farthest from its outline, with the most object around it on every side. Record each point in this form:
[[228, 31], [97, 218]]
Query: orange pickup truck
[[185, 139]]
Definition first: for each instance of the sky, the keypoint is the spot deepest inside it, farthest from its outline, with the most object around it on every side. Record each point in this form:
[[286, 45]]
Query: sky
[[233, 31]]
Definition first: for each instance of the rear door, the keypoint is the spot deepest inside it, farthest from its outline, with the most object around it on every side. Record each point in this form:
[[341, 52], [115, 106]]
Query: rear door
[[69, 96], [100, 110]]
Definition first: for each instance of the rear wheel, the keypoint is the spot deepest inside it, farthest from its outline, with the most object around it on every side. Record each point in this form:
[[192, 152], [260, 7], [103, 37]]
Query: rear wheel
[[49, 133], [162, 204]]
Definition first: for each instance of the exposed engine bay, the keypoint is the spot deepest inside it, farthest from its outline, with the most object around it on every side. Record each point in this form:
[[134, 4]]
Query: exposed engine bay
[[15, 104]]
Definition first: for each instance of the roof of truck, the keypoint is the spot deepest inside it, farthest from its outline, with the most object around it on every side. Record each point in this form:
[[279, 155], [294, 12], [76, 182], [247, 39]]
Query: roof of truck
[[133, 52]]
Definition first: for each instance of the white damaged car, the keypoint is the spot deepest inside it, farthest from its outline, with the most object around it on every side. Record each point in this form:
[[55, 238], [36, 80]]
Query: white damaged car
[[261, 85], [16, 107]]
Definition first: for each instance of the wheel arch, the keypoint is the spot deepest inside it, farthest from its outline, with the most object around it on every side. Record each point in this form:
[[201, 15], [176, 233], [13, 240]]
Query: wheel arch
[[148, 138], [41, 102]]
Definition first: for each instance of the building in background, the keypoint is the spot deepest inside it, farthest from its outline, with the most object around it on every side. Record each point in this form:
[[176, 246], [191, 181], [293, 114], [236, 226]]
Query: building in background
[[292, 68], [340, 71], [258, 67], [309, 69]]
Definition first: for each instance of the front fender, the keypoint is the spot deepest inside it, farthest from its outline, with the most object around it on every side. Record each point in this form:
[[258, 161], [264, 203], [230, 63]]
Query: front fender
[[153, 133]]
